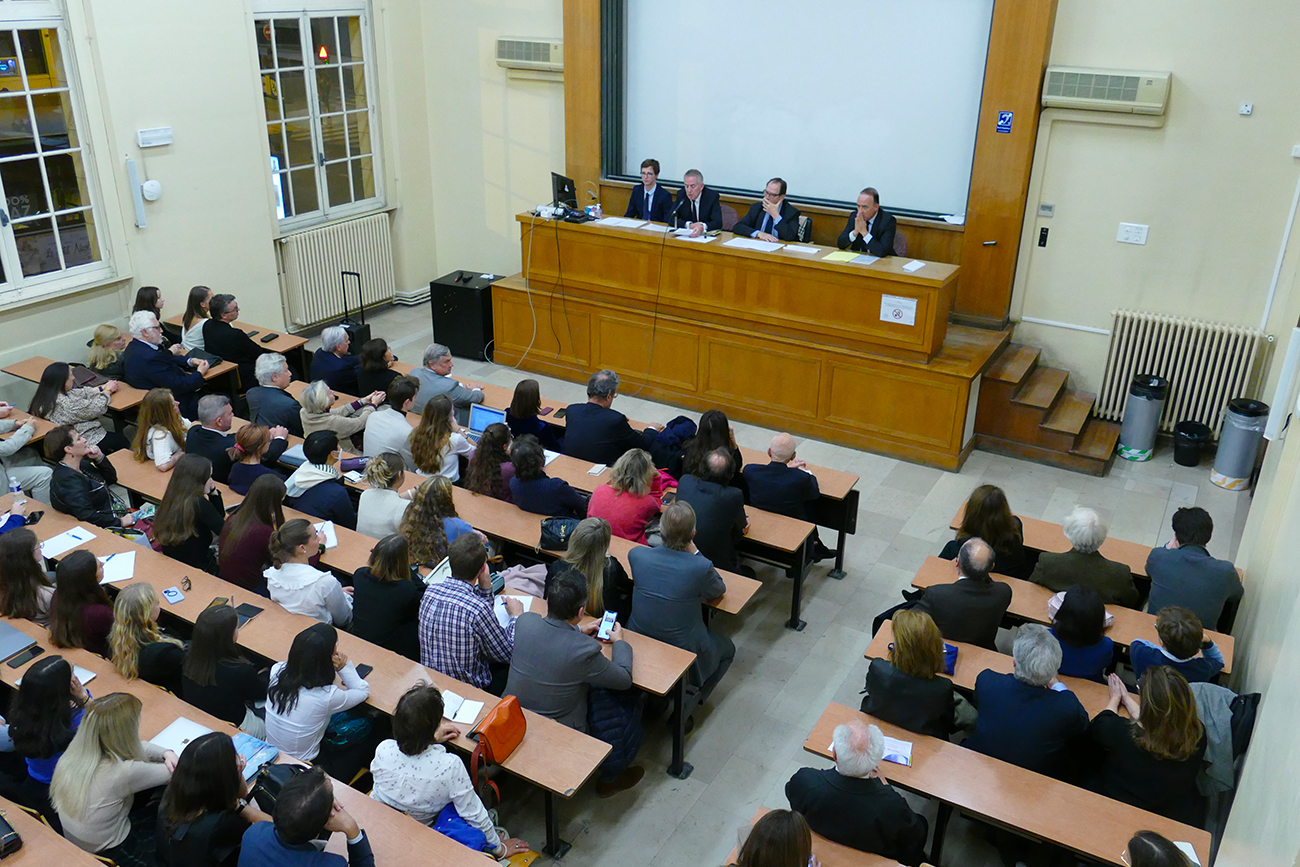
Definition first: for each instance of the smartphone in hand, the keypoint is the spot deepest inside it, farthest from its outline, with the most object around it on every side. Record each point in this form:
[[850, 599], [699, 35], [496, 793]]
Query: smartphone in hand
[[606, 625]]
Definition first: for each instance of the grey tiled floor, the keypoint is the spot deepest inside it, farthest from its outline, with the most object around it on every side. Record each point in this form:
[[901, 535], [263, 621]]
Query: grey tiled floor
[[749, 741]]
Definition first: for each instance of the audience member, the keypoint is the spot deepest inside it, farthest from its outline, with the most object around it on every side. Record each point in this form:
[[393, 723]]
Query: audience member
[[436, 445], [303, 696], [780, 838], [987, 516], [1028, 718], [524, 416], [268, 402], [148, 299], [381, 508], [205, 809], [375, 371], [853, 804], [720, 520], [1083, 563], [160, 430], [386, 598], [332, 362], [460, 635], [1152, 759], [1183, 647], [195, 317], [346, 421], [217, 678], [909, 689], [45, 711], [304, 810], [595, 432], [608, 587], [36, 480], [1183, 572], [555, 664], [139, 648], [1149, 849], [631, 499], [296, 585], [414, 773], [191, 514], [227, 342], [435, 379], [60, 400], [255, 452], [1080, 626], [25, 586], [670, 584], [534, 491], [490, 470], [772, 219], [786, 486], [430, 522], [106, 349], [80, 480], [81, 614], [211, 438], [148, 365], [244, 544], [316, 487], [387, 429], [713, 433], [971, 608]]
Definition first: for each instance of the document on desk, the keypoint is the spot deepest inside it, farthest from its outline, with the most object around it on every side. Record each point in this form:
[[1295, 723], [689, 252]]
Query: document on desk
[[550, 455], [898, 752], [459, 710], [702, 239], [1188, 850], [118, 567], [802, 249], [620, 223], [914, 265], [499, 606], [840, 256], [326, 529], [54, 546], [751, 244]]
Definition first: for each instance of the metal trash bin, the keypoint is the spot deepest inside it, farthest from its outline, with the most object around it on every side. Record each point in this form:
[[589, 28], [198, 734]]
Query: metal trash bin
[[1243, 428], [1190, 439], [1146, 401]]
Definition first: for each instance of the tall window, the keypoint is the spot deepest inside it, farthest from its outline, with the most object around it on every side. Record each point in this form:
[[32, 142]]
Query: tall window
[[319, 114]]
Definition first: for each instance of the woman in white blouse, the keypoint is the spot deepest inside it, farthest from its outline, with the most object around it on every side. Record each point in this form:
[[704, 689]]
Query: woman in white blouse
[[303, 694], [380, 511], [437, 445], [297, 585], [196, 316], [160, 436], [414, 772]]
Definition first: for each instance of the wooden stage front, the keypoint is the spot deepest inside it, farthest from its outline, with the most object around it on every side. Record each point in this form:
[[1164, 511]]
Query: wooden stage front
[[785, 340]]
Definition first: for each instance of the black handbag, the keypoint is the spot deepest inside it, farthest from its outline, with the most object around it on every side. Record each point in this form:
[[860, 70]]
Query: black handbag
[[270, 779], [10, 842], [556, 533]]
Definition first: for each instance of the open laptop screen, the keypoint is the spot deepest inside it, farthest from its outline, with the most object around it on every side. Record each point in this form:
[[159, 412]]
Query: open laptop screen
[[481, 416]]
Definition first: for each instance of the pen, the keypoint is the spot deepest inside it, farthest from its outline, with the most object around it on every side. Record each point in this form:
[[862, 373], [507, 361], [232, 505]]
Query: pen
[[109, 559]]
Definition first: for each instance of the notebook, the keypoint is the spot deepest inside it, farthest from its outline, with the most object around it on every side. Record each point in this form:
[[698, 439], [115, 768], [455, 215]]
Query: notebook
[[480, 417]]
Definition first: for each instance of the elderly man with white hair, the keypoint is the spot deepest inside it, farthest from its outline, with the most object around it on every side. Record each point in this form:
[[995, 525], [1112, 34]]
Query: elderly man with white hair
[[435, 379], [786, 486], [852, 804], [148, 365], [1083, 563], [268, 402], [332, 362], [1028, 718]]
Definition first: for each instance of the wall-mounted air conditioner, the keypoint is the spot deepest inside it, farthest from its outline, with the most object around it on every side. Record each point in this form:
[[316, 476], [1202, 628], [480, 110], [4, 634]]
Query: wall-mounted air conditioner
[[1117, 90], [531, 59]]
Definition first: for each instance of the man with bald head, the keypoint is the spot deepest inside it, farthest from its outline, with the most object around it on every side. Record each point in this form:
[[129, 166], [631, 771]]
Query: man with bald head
[[785, 486], [972, 607], [852, 804], [720, 521]]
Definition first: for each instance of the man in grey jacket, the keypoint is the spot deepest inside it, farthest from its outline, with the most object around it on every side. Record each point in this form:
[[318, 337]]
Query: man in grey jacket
[[435, 379], [33, 479]]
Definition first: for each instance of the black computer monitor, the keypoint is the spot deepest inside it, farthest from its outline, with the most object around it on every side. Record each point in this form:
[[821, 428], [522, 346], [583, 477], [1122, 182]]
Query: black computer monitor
[[563, 191]]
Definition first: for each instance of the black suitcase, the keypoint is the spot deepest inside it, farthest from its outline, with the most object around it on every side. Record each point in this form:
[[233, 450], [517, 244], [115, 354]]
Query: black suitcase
[[358, 332]]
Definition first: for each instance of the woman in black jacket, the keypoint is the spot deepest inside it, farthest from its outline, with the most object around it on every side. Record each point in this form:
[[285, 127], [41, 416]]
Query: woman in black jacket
[[191, 514], [81, 478], [909, 688], [385, 599], [217, 678]]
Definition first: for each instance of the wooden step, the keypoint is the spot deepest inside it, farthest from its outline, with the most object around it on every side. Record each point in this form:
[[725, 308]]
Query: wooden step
[[1014, 363], [1042, 387], [1098, 440], [1071, 412]]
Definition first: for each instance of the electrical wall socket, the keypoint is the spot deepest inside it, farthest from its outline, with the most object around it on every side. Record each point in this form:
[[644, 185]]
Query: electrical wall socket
[[1132, 233]]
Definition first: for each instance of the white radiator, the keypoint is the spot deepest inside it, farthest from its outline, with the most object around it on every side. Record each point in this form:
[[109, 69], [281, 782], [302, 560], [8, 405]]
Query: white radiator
[[311, 262], [1207, 364]]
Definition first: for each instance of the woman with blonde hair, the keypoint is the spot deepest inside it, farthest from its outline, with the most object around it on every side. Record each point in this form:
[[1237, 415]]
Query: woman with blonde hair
[[436, 445], [987, 516], [909, 689], [106, 351], [251, 443], [380, 511], [139, 648], [297, 585], [161, 432], [96, 780], [319, 413], [431, 523], [629, 501], [608, 587]]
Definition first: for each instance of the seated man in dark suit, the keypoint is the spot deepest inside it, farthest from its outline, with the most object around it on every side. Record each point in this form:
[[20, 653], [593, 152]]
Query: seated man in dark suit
[[773, 219], [211, 437], [595, 432], [720, 521], [1183, 572], [698, 208], [971, 608], [785, 486], [316, 487], [870, 230], [305, 807], [148, 365], [650, 201], [853, 805], [1083, 564], [1028, 718], [228, 342], [268, 402], [333, 364]]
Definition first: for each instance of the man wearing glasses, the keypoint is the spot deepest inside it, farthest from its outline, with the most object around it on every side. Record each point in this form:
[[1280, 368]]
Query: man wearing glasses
[[149, 366], [772, 219], [698, 208]]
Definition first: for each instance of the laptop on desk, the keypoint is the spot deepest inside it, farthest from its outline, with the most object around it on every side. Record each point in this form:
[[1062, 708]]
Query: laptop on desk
[[480, 417]]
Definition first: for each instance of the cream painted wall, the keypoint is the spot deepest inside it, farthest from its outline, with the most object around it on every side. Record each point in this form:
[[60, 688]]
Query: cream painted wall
[[1214, 187]]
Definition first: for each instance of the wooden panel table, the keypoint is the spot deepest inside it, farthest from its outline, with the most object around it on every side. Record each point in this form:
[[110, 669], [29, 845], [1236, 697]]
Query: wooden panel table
[[42, 427], [1029, 603], [126, 398], [283, 343], [831, 854], [42, 845], [1008, 796]]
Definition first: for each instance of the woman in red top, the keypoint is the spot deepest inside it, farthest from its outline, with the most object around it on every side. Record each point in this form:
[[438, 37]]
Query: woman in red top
[[631, 499], [243, 547]]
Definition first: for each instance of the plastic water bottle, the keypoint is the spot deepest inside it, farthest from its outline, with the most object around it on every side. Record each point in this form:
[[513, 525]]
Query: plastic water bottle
[[17, 491]]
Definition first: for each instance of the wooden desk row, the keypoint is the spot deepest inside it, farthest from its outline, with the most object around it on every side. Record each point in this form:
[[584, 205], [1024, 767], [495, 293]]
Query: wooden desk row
[[284, 343], [829, 853], [126, 398]]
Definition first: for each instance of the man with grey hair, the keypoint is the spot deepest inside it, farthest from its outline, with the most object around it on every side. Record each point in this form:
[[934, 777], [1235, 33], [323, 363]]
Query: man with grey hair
[[435, 379], [698, 208], [332, 362], [211, 437], [785, 486], [268, 402], [972, 607], [148, 365], [595, 432], [1028, 718], [1084, 564], [853, 804]]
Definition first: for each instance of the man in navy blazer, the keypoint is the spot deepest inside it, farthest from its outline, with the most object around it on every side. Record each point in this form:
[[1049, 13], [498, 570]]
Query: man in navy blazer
[[333, 364], [268, 402], [148, 365], [697, 208], [595, 432], [772, 219], [660, 199], [785, 486], [211, 437], [869, 230], [971, 608], [305, 807], [720, 520]]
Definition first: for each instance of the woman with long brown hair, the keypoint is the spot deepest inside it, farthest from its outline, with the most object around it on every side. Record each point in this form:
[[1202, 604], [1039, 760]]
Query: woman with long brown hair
[[490, 470], [196, 316], [608, 586], [60, 400], [160, 436], [431, 523], [987, 516], [780, 838], [436, 445], [25, 588], [386, 598], [251, 443], [523, 416], [243, 551], [81, 614], [908, 689], [191, 514]]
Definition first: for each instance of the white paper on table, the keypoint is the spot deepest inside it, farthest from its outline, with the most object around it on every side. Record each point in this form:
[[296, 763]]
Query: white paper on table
[[867, 260], [331, 537], [1188, 850], [84, 675], [177, 736], [620, 223], [118, 567], [898, 752], [5, 517], [65, 542], [914, 265], [801, 248], [597, 469], [751, 244], [354, 476], [702, 239], [550, 456], [460, 710], [499, 606]]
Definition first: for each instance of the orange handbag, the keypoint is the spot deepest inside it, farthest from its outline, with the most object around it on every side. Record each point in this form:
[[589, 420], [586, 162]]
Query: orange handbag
[[500, 733]]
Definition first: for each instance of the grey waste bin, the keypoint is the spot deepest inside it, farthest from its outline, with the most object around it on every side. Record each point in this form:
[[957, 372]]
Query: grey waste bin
[[1243, 427], [1146, 400]]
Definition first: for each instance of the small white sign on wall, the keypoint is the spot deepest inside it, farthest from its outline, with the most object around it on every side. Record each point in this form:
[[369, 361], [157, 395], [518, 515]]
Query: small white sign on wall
[[896, 309]]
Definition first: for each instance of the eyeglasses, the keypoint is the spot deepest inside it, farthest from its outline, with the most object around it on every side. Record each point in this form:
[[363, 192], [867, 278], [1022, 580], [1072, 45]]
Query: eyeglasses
[[186, 583]]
